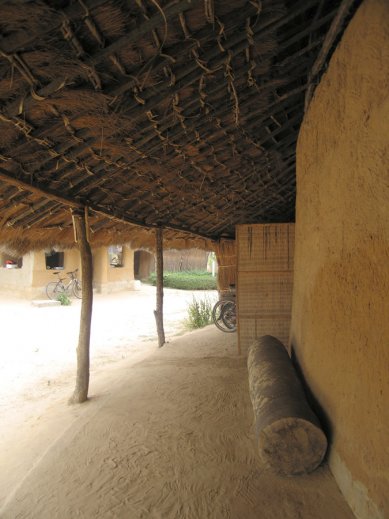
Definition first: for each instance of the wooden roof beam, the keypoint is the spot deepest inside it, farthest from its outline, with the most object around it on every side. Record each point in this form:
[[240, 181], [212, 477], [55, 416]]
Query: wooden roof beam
[[138, 30], [188, 74], [39, 218], [217, 136], [6, 177], [334, 30], [159, 64], [159, 97], [204, 124], [87, 183], [18, 41]]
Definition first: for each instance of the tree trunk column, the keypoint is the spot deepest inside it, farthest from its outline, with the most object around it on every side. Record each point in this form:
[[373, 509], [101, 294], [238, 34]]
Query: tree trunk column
[[158, 312], [289, 436], [82, 379]]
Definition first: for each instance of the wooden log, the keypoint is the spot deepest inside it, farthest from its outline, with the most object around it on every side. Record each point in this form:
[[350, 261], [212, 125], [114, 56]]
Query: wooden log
[[289, 436], [158, 312]]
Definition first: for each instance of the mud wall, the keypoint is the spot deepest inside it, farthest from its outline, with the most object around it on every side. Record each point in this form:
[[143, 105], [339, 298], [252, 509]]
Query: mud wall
[[108, 279], [340, 324], [18, 281], [41, 276]]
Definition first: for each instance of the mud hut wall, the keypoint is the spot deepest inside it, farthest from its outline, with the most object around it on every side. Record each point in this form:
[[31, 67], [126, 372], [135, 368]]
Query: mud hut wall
[[18, 281], [100, 268], [108, 279], [41, 275], [340, 326], [144, 264], [264, 281]]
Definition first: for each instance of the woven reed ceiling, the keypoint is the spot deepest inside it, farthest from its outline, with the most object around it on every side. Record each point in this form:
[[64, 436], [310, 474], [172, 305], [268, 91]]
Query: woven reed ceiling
[[181, 114]]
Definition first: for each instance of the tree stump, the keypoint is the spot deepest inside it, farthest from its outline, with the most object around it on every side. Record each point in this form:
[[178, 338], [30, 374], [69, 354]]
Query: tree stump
[[290, 439]]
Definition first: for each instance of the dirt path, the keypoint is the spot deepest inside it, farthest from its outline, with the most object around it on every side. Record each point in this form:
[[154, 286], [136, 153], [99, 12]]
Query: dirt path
[[38, 344], [166, 434], [38, 362]]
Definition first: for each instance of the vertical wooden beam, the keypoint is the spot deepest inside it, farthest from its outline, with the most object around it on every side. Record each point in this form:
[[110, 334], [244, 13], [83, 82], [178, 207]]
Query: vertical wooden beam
[[158, 312], [82, 379]]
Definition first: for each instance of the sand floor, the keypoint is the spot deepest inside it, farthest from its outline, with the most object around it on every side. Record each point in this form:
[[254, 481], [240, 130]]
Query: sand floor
[[166, 434]]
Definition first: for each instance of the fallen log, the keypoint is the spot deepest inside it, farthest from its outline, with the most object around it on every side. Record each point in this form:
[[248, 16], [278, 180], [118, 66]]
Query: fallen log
[[289, 436]]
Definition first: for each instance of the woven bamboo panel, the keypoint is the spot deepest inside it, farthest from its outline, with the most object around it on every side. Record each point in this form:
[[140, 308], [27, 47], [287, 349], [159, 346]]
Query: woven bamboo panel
[[251, 329], [265, 247], [264, 281], [267, 294]]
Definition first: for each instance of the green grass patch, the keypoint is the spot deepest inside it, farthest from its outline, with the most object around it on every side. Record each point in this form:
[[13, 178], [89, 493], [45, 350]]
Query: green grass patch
[[193, 280]]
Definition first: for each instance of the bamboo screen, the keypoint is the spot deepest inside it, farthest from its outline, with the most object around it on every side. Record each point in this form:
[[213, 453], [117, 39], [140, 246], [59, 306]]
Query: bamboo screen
[[264, 281], [226, 258]]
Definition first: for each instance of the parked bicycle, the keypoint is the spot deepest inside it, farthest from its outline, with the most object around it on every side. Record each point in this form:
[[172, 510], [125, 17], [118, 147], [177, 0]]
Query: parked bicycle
[[55, 288], [224, 313]]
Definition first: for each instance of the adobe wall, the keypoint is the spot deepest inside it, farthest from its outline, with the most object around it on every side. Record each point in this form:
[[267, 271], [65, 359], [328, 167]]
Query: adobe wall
[[18, 281], [340, 316], [41, 276], [144, 264], [108, 279], [30, 281]]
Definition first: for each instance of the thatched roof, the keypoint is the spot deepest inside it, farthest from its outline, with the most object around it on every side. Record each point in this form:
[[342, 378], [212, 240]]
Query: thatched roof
[[182, 114]]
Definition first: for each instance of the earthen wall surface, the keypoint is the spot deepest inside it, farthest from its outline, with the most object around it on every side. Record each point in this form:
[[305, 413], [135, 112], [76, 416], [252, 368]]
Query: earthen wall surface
[[340, 324]]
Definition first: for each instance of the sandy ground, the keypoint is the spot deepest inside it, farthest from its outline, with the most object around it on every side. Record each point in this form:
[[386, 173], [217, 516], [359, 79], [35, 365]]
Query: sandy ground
[[166, 433], [38, 344]]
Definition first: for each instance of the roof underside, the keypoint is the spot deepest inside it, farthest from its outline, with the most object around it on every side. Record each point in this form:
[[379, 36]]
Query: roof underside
[[180, 114]]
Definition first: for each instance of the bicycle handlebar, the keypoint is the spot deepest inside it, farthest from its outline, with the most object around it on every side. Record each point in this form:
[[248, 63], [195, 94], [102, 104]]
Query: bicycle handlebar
[[71, 274]]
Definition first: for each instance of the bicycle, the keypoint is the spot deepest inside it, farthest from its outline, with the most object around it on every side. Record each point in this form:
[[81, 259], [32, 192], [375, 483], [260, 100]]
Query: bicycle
[[55, 288], [224, 313]]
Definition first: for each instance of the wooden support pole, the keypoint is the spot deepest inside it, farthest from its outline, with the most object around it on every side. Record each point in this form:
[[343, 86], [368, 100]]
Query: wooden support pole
[[289, 436], [82, 379], [158, 312]]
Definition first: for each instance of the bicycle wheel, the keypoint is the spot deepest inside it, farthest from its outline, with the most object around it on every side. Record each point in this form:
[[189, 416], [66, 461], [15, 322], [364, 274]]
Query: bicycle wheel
[[217, 314], [228, 316], [53, 290], [77, 288]]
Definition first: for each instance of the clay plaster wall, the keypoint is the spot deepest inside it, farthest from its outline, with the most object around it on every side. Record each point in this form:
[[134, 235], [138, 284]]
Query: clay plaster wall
[[17, 281], [340, 324], [144, 263], [30, 281], [41, 276], [106, 278]]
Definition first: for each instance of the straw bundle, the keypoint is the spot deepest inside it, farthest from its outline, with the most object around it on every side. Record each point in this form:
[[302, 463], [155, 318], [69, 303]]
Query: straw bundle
[[226, 259]]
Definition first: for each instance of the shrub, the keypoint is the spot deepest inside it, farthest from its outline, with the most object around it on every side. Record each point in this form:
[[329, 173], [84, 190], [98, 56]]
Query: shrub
[[193, 280], [199, 313], [63, 299]]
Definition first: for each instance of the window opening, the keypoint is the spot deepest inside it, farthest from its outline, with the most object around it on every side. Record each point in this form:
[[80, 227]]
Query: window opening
[[9, 261], [54, 260], [115, 255]]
